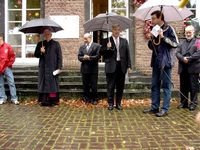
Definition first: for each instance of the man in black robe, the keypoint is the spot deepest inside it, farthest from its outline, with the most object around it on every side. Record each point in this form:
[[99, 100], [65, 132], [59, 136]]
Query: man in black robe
[[50, 64]]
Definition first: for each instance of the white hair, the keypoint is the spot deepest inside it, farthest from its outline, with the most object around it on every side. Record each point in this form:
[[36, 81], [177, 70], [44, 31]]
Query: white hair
[[190, 28], [87, 35]]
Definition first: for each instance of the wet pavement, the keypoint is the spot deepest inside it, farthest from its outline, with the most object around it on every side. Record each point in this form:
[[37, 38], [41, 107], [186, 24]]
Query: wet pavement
[[65, 127]]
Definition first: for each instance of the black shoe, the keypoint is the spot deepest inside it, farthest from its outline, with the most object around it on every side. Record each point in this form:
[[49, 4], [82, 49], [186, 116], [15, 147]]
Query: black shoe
[[161, 113], [110, 107], [150, 111], [119, 107], [94, 102], [192, 108], [182, 106]]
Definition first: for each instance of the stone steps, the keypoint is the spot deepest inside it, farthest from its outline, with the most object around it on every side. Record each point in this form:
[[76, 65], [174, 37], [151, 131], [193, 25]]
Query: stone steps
[[26, 80]]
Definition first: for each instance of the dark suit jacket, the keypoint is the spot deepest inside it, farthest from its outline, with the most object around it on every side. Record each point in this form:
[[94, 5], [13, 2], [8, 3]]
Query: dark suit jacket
[[110, 55], [190, 50], [89, 66]]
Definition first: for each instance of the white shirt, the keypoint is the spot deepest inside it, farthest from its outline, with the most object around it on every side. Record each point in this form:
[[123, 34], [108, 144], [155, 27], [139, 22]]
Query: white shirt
[[88, 46], [116, 40]]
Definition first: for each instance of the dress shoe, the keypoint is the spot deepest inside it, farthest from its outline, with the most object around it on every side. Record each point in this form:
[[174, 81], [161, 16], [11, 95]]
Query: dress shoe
[[119, 107], [150, 111], [94, 102], [182, 106], [110, 107], [192, 108], [162, 113]]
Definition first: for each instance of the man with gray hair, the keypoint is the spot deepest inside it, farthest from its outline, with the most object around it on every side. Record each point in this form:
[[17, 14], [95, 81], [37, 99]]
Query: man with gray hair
[[188, 54], [89, 56], [115, 51], [50, 62]]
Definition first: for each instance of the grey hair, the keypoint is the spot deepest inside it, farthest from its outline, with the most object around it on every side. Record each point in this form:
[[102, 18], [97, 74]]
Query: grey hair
[[88, 35]]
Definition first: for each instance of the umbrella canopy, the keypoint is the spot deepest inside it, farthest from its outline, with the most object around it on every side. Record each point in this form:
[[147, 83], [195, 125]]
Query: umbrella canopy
[[105, 21], [169, 8], [39, 25]]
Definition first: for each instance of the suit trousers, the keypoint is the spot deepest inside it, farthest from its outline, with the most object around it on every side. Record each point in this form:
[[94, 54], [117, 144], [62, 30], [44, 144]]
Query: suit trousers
[[189, 84], [117, 80], [90, 86]]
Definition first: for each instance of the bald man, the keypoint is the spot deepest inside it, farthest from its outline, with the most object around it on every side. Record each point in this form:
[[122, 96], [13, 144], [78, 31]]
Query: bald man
[[89, 56], [189, 68]]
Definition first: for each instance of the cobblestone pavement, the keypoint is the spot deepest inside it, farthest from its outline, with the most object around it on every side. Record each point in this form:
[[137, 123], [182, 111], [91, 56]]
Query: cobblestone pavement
[[34, 127]]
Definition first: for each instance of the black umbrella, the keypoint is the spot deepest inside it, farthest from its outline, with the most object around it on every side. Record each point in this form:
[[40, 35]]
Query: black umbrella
[[39, 25]]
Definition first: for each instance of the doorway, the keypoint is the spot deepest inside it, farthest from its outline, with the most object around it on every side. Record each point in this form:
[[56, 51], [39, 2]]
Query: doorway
[[99, 7]]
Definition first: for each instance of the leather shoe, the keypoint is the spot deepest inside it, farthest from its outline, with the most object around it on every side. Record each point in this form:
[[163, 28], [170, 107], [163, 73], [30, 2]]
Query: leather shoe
[[110, 107], [150, 111], [182, 106], [192, 108], [94, 102], [161, 113], [119, 107]]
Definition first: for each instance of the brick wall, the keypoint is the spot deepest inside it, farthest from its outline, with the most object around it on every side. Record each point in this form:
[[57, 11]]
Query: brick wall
[[143, 54], [69, 46]]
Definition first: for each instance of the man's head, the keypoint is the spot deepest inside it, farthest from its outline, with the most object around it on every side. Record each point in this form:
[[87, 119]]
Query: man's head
[[1, 38], [87, 38], [116, 29], [189, 32], [157, 18], [47, 34]]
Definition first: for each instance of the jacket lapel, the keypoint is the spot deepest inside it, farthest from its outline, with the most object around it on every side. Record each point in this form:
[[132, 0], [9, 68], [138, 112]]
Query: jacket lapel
[[191, 44], [90, 49]]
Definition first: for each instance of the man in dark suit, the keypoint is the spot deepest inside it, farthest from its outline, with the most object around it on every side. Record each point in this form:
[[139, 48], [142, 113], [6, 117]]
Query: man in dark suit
[[88, 56], [188, 55], [115, 51]]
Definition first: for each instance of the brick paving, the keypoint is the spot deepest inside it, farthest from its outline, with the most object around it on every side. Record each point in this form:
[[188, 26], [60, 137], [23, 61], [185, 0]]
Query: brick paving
[[63, 128]]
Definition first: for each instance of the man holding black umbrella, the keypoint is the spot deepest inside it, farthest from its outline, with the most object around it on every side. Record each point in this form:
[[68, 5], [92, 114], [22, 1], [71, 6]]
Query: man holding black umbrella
[[115, 51], [50, 63]]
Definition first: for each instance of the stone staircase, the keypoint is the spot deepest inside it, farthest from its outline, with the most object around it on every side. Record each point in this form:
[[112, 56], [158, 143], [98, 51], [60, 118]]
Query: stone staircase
[[137, 85]]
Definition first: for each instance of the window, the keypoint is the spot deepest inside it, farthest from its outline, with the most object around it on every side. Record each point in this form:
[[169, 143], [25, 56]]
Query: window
[[120, 7], [18, 13]]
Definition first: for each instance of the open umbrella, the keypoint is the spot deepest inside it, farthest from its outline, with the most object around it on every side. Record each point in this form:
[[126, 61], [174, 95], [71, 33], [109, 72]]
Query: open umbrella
[[170, 9], [105, 21], [39, 25]]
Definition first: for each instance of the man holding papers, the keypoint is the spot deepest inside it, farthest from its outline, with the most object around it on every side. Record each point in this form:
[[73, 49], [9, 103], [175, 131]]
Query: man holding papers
[[162, 41]]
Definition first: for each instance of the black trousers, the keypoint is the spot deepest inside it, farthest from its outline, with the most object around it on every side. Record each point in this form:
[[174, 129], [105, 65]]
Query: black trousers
[[90, 86], [189, 84], [115, 80]]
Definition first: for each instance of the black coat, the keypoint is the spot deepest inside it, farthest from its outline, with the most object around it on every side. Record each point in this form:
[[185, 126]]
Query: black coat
[[110, 55], [50, 61], [89, 66], [190, 50]]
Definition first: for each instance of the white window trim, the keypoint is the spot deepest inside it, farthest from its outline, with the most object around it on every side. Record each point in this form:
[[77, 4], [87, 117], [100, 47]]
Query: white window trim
[[23, 60], [127, 14]]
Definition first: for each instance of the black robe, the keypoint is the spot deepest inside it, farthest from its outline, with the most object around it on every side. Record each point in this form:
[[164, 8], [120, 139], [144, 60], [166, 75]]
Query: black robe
[[50, 61]]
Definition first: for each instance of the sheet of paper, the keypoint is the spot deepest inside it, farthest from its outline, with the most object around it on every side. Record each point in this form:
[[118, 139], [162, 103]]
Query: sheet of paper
[[155, 30], [56, 72]]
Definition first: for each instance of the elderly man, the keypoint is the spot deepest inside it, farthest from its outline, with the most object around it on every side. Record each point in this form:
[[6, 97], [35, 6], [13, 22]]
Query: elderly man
[[115, 51], [50, 63], [7, 58], [188, 54], [161, 63], [89, 56]]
